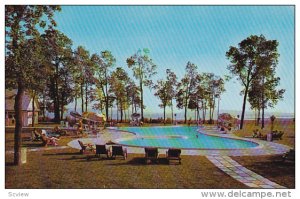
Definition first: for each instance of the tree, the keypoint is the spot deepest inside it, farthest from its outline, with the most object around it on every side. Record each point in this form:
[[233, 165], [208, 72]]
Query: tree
[[186, 88], [143, 69], [84, 74], [165, 91], [254, 57], [118, 82], [21, 24], [215, 87], [133, 96], [57, 48], [103, 65], [265, 95]]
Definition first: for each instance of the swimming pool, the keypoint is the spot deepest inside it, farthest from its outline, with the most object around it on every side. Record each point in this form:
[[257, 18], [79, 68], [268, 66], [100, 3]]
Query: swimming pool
[[179, 137]]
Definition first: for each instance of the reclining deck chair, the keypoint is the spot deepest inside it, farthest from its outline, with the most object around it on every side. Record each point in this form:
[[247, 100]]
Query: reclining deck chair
[[101, 149], [118, 150], [151, 154], [85, 147], [173, 154]]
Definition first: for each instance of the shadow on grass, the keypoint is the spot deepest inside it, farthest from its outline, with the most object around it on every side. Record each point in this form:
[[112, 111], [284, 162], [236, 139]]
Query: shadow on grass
[[9, 164], [33, 145], [63, 153], [274, 166], [140, 161]]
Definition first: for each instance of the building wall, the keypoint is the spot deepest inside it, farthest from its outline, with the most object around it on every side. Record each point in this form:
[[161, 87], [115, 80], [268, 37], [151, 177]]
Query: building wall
[[10, 120]]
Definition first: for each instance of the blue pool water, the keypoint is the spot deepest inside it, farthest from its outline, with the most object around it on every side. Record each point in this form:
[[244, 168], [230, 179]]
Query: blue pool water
[[180, 137]]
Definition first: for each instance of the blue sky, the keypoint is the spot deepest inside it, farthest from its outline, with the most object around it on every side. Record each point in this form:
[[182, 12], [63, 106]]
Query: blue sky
[[178, 34]]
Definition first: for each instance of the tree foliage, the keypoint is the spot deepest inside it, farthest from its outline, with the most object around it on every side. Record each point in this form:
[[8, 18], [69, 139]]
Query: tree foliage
[[21, 23], [143, 69], [255, 57]]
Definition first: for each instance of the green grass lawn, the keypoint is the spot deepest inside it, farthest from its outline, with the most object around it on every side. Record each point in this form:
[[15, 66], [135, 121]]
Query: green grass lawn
[[68, 169], [286, 125], [270, 167]]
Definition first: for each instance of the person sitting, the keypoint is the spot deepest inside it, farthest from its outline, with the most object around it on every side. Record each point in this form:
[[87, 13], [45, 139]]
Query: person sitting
[[48, 140], [256, 134], [79, 128]]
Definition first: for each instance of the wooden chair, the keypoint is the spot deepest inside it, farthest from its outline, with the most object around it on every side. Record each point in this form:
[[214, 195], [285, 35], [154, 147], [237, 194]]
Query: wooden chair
[[118, 150], [173, 154], [151, 154], [85, 147]]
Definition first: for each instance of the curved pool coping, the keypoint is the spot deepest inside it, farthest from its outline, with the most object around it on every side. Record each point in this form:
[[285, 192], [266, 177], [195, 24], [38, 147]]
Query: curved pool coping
[[263, 148]]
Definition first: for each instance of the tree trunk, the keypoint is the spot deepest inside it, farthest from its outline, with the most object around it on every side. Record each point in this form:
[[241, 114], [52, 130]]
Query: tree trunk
[[117, 110], [172, 112], [185, 108], [62, 109], [33, 109], [263, 118], [86, 97], [18, 123], [121, 110], [142, 101], [263, 105], [106, 104], [164, 114], [75, 104], [82, 102], [56, 97], [244, 107], [258, 117]]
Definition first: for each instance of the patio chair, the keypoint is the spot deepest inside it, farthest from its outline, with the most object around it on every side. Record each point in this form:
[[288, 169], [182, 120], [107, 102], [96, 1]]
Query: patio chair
[[49, 141], [118, 150], [173, 154], [289, 156], [85, 147], [151, 154], [35, 136], [101, 149], [277, 135]]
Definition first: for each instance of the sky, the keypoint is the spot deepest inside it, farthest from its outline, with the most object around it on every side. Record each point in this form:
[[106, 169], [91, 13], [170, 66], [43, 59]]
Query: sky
[[178, 34]]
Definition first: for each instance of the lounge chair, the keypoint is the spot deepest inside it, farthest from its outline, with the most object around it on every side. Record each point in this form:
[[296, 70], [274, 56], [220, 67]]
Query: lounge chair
[[118, 150], [101, 149], [48, 141], [151, 154], [173, 154], [277, 135], [35, 136], [85, 147], [289, 156]]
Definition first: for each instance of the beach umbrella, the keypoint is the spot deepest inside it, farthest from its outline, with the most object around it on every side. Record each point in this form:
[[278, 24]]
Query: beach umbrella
[[93, 116], [135, 115], [225, 117]]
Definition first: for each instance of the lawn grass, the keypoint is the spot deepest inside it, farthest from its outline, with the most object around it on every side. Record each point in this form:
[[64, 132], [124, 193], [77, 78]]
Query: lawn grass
[[68, 169], [285, 125], [270, 167]]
